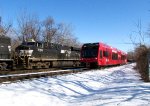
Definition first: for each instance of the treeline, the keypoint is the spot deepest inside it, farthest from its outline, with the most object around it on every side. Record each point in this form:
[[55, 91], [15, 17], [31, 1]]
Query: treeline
[[30, 27], [141, 51], [141, 57]]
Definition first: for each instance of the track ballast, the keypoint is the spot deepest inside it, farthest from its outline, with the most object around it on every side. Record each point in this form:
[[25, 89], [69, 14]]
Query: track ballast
[[29, 74]]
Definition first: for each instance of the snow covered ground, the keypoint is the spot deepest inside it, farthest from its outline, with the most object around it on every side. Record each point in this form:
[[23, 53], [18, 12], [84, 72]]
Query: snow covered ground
[[118, 86]]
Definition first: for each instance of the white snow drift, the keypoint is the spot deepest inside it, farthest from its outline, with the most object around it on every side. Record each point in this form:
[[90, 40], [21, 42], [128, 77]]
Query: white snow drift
[[118, 86]]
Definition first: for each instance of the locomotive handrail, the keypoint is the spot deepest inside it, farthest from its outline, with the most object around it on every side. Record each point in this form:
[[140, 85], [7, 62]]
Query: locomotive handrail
[[36, 59]]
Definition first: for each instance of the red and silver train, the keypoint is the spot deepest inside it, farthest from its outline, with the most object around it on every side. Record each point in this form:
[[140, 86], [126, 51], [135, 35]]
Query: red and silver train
[[99, 55]]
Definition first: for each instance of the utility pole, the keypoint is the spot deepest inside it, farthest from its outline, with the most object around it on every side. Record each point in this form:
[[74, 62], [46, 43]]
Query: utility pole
[[0, 20], [0, 26]]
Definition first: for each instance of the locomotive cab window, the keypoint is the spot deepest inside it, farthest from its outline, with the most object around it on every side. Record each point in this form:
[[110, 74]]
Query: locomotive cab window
[[30, 43], [40, 45]]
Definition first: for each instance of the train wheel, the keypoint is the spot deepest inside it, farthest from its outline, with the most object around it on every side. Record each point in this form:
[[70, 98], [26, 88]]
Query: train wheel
[[30, 66], [38, 65], [47, 64], [76, 64], [99, 67], [13, 66], [83, 64], [51, 64], [3, 66]]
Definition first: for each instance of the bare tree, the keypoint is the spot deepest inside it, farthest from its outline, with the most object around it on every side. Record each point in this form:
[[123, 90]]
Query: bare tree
[[148, 31], [49, 29], [65, 36], [29, 27], [138, 37], [61, 35], [4, 29], [141, 53]]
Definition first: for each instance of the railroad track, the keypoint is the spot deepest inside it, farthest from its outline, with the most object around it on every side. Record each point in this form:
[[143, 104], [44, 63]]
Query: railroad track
[[12, 76], [29, 74]]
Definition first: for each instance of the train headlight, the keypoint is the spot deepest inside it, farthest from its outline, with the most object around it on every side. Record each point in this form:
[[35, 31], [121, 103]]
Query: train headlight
[[26, 52]]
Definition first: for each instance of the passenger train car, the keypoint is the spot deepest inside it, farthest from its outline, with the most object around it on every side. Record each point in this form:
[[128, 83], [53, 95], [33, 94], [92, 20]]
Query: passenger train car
[[99, 55]]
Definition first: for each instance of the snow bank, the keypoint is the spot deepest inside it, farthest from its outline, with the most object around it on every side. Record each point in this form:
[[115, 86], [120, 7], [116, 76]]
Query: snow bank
[[118, 86]]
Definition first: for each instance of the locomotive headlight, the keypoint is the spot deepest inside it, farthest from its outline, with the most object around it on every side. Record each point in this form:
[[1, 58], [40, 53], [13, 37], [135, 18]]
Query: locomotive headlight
[[9, 48], [26, 52]]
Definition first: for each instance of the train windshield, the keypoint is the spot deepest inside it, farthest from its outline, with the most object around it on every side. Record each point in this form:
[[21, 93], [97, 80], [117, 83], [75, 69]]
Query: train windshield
[[89, 50], [31, 43]]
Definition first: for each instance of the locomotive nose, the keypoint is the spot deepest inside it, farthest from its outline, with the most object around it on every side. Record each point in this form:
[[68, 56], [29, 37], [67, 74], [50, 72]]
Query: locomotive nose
[[24, 50], [26, 53]]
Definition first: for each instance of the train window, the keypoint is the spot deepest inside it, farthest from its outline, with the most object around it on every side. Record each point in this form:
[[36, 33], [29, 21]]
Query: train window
[[30, 43], [39, 45], [105, 53], [101, 54], [123, 57], [23, 47], [114, 56]]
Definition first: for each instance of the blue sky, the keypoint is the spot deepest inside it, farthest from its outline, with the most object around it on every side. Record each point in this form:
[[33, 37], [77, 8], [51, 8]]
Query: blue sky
[[109, 21]]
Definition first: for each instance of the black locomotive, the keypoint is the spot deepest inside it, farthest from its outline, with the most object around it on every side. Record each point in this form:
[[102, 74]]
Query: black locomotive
[[5, 53], [34, 54]]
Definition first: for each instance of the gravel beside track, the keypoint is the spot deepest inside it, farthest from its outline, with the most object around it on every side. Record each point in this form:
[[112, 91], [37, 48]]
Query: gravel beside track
[[28, 74]]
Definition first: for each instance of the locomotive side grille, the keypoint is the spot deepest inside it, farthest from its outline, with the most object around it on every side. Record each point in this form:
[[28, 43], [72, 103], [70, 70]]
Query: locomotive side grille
[[4, 56]]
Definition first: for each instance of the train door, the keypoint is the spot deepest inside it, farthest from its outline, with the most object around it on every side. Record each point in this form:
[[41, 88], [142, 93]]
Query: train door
[[106, 56], [109, 56], [100, 57], [103, 55], [119, 57]]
